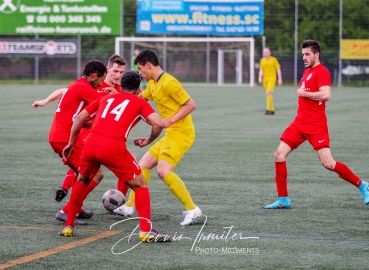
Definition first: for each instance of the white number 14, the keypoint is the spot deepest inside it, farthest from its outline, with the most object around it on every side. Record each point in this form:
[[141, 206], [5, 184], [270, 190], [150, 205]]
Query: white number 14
[[118, 110]]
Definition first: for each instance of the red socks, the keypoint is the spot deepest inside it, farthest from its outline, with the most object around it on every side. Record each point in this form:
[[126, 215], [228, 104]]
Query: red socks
[[345, 173], [69, 180], [142, 203], [281, 178], [122, 187], [88, 190], [75, 202]]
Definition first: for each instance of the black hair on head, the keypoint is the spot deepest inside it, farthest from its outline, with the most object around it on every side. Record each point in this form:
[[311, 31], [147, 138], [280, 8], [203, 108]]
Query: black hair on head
[[147, 56], [130, 81], [94, 66], [315, 46]]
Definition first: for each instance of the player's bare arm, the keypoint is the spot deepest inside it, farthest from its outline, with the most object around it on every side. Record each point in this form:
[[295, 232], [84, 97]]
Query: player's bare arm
[[78, 123], [185, 110], [279, 73], [156, 128], [324, 93], [53, 96], [261, 73]]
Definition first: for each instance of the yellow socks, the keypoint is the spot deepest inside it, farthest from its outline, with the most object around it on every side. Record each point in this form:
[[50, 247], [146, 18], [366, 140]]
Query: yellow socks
[[131, 198], [176, 186], [179, 190], [269, 102]]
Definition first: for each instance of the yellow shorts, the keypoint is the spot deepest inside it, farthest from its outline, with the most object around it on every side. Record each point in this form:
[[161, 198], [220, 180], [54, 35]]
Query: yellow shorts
[[269, 85], [172, 147]]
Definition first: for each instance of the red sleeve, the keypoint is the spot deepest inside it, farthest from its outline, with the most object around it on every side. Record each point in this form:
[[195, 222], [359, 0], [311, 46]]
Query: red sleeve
[[89, 95], [146, 109], [92, 107], [324, 78]]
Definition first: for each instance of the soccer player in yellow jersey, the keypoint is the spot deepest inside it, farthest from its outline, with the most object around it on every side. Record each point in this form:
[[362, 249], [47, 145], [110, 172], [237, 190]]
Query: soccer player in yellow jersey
[[269, 68], [174, 106]]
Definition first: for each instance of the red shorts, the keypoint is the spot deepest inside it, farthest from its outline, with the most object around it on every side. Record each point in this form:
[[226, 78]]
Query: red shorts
[[120, 161], [74, 159], [317, 135]]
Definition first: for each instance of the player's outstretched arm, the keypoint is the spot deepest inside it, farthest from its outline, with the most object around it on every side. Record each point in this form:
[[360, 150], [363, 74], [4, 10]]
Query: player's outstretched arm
[[53, 96], [78, 123], [156, 128]]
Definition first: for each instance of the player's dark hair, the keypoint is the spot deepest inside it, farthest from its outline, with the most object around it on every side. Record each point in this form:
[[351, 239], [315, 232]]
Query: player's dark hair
[[116, 59], [130, 81], [94, 66], [315, 46], [147, 56]]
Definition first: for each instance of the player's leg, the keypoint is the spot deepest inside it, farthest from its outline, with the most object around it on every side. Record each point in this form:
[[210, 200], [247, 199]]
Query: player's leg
[[172, 150], [142, 203], [147, 162], [291, 138], [82, 214], [122, 187], [280, 156], [127, 169], [75, 203], [74, 162], [69, 180], [89, 167], [269, 88], [343, 172]]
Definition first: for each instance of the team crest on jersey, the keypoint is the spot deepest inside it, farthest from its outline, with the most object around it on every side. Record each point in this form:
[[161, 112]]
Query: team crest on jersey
[[308, 77]]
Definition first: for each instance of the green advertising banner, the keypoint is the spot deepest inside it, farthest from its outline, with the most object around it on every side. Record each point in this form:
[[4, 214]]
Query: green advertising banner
[[60, 17]]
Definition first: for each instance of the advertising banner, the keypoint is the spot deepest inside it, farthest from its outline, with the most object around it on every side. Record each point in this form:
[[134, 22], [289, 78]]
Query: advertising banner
[[354, 49], [201, 17], [45, 48], [60, 17]]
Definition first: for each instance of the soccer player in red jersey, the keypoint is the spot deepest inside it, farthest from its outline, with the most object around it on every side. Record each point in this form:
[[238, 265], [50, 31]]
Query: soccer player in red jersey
[[311, 124], [105, 145], [78, 95]]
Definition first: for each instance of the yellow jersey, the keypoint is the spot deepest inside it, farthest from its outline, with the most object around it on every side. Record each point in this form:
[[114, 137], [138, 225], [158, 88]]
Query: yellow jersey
[[169, 96], [269, 66]]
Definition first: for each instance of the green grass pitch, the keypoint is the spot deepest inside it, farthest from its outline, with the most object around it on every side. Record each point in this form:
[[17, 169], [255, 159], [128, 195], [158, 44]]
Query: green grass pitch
[[229, 172]]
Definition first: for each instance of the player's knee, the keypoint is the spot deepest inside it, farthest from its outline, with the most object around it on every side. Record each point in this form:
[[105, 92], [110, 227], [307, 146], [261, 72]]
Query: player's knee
[[84, 179], [98, 177], [278, 156], [163, 172], [328, 164]]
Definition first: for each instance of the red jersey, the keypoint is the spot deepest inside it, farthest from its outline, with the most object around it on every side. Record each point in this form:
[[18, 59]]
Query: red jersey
[[84, 131], [73, 100], [116, 116], [310, 111]]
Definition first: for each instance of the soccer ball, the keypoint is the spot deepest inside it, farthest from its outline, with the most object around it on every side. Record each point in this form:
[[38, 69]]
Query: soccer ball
[[112, 199]]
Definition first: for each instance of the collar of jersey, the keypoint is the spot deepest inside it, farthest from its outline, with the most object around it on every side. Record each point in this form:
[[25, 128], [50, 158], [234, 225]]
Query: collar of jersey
[[160, 76]]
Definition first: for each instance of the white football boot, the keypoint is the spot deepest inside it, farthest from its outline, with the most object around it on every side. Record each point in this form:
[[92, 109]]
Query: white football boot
[[124, 210], [190, 216]]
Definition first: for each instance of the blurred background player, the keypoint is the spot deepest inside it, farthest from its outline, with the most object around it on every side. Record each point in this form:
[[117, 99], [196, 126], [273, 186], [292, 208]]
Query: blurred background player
[[136, 52], [116, 115], [134, 56], [311, 124], [174, 106], [269, 68]]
